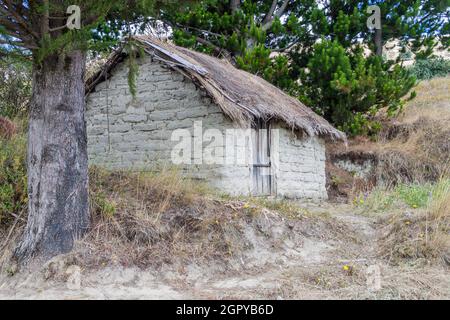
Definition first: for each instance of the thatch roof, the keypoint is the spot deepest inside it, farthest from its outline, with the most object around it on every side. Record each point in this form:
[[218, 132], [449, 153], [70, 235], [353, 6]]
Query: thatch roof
[[241, 96]]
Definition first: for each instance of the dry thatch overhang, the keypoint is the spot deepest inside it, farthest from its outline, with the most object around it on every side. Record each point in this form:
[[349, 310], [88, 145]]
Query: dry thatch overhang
[[242, 96]]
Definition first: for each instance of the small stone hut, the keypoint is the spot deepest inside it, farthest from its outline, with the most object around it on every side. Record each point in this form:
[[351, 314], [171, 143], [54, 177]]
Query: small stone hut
[[219, 124]]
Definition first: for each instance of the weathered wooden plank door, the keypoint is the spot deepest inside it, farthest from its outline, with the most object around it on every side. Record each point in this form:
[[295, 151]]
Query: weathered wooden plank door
[[261, 170]]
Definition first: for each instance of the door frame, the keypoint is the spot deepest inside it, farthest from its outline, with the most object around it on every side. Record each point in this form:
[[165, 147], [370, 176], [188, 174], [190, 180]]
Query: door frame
[[256, 166]]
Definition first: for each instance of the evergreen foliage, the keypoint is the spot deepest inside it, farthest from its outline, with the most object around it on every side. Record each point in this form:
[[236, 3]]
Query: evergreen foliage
[[314, 50], [15, 87], [424, 69]]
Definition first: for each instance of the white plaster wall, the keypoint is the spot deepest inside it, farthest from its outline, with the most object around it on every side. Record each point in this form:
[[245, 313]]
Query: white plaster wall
[[123, 133], [301, 166]]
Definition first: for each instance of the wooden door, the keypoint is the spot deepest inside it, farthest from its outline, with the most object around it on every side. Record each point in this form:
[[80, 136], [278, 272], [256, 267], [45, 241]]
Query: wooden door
[[261, 169]]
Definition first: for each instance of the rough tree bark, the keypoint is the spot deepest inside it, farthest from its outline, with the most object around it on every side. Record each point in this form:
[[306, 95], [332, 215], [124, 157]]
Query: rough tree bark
[[56, 159]]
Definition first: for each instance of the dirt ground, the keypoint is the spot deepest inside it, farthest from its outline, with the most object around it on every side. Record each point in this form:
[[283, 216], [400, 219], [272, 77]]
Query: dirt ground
[[304, 265]]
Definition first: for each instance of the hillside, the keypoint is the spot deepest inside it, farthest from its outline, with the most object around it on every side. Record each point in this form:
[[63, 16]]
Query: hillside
[[412, 147], [160, 236]]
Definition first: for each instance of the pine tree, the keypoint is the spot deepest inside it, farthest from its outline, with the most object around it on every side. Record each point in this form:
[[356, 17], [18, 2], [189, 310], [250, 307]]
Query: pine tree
[[252, 32], [58, 210]]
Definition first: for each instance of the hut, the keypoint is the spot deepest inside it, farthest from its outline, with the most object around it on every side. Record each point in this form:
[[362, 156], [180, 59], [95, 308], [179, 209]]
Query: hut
[[232, 129]]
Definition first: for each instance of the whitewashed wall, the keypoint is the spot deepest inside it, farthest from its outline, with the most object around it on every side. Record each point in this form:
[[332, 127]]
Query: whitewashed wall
[[137, 135], [301, 166]]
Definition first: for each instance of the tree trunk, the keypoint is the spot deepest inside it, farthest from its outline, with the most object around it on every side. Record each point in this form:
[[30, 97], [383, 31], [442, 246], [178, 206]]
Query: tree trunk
[[58, 208], [379, 42]]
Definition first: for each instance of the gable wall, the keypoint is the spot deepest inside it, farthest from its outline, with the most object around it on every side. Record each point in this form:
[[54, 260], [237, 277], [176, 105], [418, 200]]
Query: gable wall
[[137, 135], [301, 166]]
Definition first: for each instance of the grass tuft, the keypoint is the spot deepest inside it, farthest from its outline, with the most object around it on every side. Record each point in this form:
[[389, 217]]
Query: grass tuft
[[415, 223]]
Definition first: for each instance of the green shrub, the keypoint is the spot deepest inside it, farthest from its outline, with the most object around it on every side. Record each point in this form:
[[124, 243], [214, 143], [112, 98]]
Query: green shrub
[[425, 69], [102, 205], [414, 195], [13, 178], [15, 88], [378, 200], [361, 124], [347, 88]]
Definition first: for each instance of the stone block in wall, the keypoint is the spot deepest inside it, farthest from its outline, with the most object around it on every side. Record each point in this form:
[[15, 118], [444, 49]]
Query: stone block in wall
[[122, 100], [95, 104], [195, 102], [133, 157], [213, 119], [192, 113], [159, 135], [97, 149], [177, 77], [144, 88], [157, 77], [167, 85], [149, 106], [181, 124], [162, 115], [115, 138], [133, 136], [168, 104], [99, 119], [94, 96], [117, 109], [134, 118], [145, 126], [184, 93], [123, 147], [212, 108], [96, 130], [123, 127], [136, 107]]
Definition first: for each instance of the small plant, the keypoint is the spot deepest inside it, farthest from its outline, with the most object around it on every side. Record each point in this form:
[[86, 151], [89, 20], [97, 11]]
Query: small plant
[[424, 234], [439, 206], [361, 124], [15, 88], [13, 178], [414, 195], [105, 207], [378, 200]]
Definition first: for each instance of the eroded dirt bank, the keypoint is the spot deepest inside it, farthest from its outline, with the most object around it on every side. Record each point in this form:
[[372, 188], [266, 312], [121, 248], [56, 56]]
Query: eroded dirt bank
[[329, 257]]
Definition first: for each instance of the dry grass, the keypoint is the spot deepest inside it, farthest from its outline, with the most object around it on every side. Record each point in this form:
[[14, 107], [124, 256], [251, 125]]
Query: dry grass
[[438, 218], [417, 152], [331, 282], [144, 218], [152, 219], [415, 146], [414, 226], [7, 128], [432, 102]]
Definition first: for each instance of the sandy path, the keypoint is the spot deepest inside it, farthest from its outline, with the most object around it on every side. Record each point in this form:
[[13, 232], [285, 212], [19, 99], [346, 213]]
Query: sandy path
[[313, 270]]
